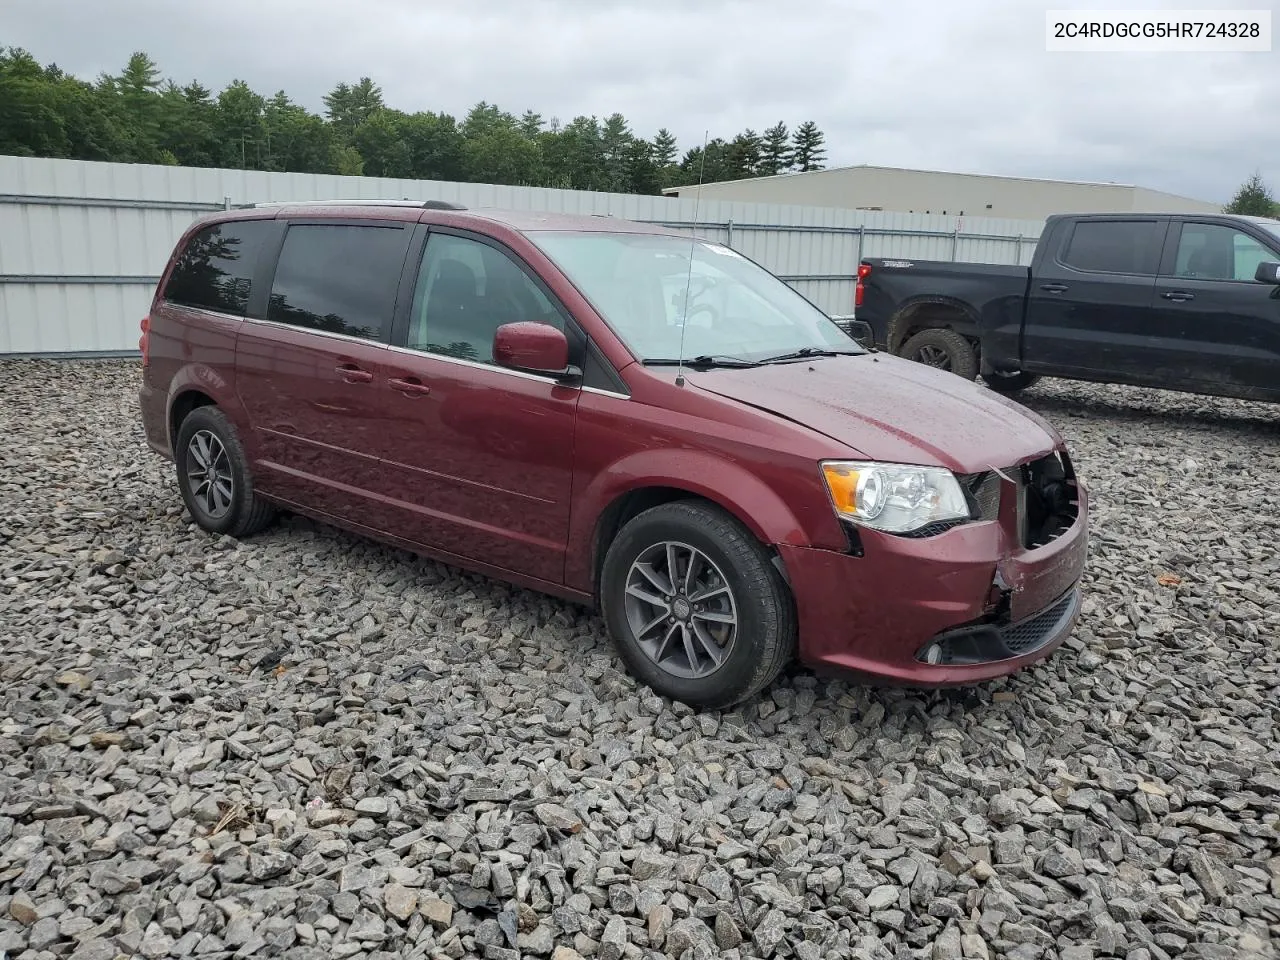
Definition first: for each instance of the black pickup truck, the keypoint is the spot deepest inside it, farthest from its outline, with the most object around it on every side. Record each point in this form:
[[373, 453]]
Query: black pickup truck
[[1175, 301]]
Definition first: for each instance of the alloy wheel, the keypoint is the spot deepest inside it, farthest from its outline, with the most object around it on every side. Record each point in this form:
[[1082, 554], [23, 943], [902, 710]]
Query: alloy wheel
[[681, 610], [209, 475]]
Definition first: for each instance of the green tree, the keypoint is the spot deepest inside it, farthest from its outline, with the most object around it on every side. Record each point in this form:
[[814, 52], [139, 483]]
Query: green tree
[[1253, 199], [573, 157], [349, 106], [615, 155], [140, 103], [346, 160], [435, 146], [383, 147], [485, 118], [644, 175], [744, 154], [718, 164], [241, 128], [188, 125], [775, 151], [502, 155], [31, 124], [531, 124], [807, 145], [140, 116]]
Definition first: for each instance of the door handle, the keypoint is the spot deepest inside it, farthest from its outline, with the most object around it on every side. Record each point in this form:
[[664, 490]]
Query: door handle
[[409, 387], [353, 374], [1178, 295], [1054, 287]]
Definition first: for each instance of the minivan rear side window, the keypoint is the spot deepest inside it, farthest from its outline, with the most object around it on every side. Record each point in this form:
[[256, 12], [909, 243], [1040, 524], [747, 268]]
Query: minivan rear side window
[[1115, 246], [215, 269], [339, 278]]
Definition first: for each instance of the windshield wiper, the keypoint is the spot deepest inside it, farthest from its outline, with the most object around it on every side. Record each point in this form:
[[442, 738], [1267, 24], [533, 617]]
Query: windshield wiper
[[804, 352], [704, 360]]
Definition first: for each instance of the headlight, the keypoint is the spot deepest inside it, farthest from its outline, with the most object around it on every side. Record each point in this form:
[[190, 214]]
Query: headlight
[[895, 498]]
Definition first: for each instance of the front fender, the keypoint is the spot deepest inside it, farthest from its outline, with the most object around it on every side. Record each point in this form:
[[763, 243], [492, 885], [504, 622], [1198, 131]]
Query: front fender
[[730, 486]]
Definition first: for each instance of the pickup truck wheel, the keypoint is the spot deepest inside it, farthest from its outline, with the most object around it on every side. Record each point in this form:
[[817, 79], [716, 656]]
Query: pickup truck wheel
[[1009, 382], [695, 607], [944, 349]]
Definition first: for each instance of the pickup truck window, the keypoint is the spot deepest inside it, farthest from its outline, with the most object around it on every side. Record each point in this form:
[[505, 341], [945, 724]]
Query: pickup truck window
[[1114, 246], [1211, 251]]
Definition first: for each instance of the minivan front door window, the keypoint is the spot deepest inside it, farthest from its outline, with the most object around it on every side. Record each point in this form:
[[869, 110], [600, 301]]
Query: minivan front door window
[[466, 290]]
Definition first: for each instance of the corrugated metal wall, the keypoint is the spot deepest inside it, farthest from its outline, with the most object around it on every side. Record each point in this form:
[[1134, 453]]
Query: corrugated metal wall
[[81, 244]]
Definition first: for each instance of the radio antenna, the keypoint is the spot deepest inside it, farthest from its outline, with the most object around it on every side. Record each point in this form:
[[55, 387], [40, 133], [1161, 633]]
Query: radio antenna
[[693, 241]]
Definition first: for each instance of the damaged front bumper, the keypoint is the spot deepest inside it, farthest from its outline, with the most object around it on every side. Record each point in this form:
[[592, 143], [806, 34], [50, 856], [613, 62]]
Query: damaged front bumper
[[977, 601]]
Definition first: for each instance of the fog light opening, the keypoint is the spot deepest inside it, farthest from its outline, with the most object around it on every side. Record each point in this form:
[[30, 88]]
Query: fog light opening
[[933, 655]]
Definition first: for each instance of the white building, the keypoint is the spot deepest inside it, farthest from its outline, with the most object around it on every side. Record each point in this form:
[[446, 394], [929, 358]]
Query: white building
[[898, 190]]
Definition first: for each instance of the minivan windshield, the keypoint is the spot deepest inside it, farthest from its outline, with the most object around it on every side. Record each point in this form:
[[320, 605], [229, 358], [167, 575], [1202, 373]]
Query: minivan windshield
[[736, 311]]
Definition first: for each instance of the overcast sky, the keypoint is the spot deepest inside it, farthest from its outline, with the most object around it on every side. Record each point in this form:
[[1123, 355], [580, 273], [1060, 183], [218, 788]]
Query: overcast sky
[[943, 85]]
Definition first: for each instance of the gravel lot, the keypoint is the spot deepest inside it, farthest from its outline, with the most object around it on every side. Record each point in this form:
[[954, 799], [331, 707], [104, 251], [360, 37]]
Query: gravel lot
[[306, 745]]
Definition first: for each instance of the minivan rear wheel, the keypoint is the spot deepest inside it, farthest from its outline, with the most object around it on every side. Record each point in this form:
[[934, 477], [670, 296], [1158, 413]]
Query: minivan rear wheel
[[695, 607], [214, 477]]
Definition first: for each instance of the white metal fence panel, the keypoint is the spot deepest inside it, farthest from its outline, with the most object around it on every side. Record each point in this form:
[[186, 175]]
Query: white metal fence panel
[[81, 243]]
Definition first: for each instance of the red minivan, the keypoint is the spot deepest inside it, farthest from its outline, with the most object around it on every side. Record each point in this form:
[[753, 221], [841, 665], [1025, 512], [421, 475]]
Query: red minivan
[[622, 416]]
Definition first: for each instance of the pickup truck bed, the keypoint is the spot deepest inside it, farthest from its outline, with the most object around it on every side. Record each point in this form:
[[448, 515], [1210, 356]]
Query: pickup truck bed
[[1181, 302]]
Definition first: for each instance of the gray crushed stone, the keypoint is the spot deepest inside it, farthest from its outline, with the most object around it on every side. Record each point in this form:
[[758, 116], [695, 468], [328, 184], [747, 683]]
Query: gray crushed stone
[[306, 745]]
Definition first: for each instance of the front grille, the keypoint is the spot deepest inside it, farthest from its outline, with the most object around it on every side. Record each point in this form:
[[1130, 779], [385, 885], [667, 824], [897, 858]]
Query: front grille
[[932, 529], [983, 493]]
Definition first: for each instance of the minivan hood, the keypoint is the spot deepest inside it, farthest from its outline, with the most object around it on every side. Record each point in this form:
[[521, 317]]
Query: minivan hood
[[891, 409]]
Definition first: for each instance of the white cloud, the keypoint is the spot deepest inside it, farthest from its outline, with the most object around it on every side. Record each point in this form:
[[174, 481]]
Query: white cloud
[[940, 85]]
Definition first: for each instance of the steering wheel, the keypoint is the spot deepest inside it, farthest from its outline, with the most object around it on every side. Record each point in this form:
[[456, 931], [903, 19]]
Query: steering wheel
[[706, 308]]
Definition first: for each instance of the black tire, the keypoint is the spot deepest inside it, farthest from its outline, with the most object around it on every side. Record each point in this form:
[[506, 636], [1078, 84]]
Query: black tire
[[763, 640], [943, 349], [1009, 382], [244, 513]]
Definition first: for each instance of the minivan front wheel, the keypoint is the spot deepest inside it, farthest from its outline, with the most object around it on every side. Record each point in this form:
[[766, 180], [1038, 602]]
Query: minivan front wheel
[[695, 607], [214, 478]]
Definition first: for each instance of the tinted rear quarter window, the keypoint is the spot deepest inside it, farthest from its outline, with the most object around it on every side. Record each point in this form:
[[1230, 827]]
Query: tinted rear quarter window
[[215, 269], [1114, 246], [339, 278]]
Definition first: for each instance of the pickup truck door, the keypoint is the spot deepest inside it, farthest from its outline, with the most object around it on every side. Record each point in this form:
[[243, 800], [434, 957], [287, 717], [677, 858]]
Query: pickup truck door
[[1223, 326], [1089, 309]]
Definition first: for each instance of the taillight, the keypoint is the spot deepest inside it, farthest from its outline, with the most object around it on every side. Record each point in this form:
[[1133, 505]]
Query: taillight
[[144, 341], [864, 271]]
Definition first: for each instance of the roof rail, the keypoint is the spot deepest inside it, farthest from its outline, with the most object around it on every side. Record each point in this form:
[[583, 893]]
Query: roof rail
[[420, 204]]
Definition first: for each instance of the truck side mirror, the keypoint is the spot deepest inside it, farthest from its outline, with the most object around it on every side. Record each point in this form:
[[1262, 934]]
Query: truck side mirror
[[1268, 272]]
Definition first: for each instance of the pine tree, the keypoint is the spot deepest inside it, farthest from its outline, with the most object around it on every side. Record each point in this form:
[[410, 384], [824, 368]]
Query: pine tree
[[349, 106], [1253, 199], [808, 146], [775, 154], [531, 124], [664, 148], [744, 154]]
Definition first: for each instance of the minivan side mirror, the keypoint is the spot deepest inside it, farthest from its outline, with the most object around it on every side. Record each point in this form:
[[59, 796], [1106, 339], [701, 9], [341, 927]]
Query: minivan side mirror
[[533, 348], [1268, 272]]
